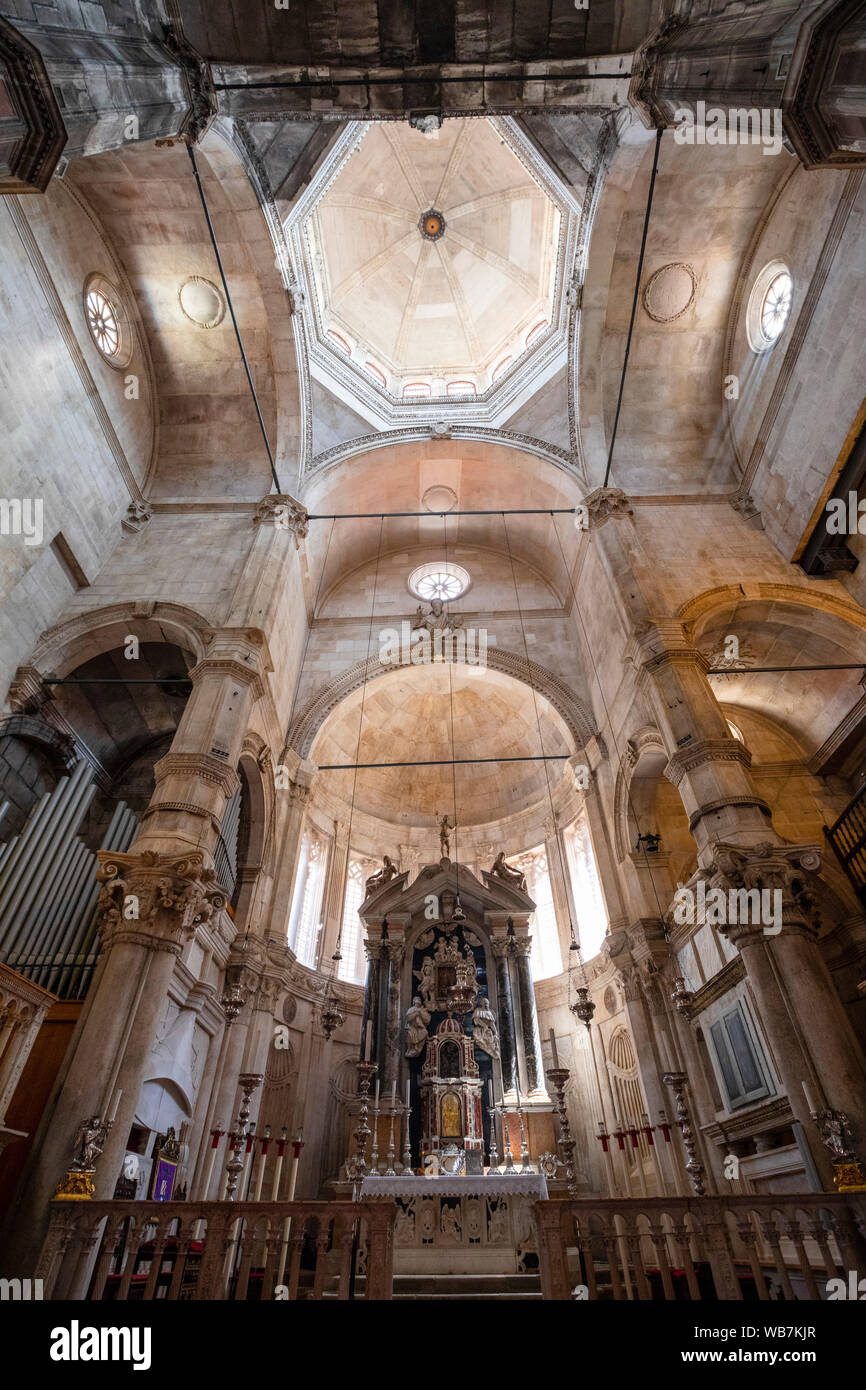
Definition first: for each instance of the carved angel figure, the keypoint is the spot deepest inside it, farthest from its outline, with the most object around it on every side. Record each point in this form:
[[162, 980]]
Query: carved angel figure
[[507, 874], [426, 978], [384, 875], [484, 1031], [89, 1143], [417, 1023]]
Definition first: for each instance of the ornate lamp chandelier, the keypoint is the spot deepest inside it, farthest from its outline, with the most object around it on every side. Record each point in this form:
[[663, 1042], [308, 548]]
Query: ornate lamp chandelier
[[330, 1014], [582, 1007]]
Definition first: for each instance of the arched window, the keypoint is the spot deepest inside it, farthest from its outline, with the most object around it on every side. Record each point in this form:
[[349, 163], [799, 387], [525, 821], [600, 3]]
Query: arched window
[[375, 372], [591, 923], [352, 966], [461, 388], [536, 332], [546, 955], [416, 390], [304, 924], [339, 341], [501, 366]]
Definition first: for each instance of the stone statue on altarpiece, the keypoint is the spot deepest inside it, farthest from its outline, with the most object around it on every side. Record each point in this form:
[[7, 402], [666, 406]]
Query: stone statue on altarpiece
[[384, 875], [445, 837], [426, 978], [485, 1034], [504, 871], [417, 1023]]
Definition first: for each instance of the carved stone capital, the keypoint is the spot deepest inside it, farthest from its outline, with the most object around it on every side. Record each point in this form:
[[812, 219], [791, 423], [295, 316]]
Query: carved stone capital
[[155, 900], [787, 869], [281, 510], [522, 946], [499, 946], [606, 503], [706, 750], [138, 514], [27, 693], [198, 80]]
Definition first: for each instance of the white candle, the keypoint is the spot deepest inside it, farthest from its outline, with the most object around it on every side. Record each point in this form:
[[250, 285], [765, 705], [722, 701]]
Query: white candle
[[408, 1092], [367, 1040], [490, 1092], [377, 1094], [393, 1094], [115, 1105], [810, 1101], [553, 1050]]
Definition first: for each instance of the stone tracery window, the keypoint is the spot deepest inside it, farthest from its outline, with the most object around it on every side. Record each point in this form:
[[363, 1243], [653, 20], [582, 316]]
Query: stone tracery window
[[591, 924], [352, 966], [546, 955], [304, 924]]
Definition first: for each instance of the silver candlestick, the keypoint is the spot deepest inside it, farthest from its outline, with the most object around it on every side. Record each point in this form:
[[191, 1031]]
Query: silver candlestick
[[390, 1171], [494, 1152], [524, 1149], [506, 1143], [557, 1076], [407, 1170], [356, 1164]]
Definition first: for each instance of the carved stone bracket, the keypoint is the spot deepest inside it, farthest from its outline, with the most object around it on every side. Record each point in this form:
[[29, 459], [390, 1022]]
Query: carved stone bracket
[[198, 80], [604, 503]]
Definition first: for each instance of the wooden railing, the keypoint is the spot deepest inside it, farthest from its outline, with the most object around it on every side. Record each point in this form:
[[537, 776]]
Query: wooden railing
[[671, 1248], [217, 1250], [847, 835]]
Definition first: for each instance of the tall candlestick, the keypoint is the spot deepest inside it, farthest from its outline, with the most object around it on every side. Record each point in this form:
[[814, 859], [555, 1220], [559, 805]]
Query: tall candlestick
[[553, 1050]]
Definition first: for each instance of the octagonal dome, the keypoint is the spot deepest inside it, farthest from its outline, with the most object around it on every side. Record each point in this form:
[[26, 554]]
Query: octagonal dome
[[432, 267]]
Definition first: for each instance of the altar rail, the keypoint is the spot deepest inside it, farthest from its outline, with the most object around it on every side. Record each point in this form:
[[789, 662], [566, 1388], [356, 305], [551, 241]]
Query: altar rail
[[129, 1251], [731, 1247]]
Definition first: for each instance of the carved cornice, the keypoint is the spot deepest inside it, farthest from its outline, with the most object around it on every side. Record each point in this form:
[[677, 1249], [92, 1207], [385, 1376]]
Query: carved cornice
[[708, 807], [814, 94], [206, 766], [32, 155], [773, 1114], [644, 69], [721, 984], [706, 750]]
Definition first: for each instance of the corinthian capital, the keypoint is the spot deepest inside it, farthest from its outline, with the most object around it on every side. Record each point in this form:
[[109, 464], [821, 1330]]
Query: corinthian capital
[[155, 900], [285, 513], [784, 873], [604, 503]]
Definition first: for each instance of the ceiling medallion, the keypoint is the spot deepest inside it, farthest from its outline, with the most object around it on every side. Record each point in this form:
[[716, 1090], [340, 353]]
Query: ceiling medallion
[[431, 224], [670, 292]]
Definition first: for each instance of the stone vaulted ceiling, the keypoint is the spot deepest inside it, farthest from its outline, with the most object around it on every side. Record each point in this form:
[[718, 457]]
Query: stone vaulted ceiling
[[426, 304]]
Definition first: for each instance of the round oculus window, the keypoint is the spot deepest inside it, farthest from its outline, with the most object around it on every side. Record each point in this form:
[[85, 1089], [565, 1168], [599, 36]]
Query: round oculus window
[[107, 321], [769, 306], [439, 580]]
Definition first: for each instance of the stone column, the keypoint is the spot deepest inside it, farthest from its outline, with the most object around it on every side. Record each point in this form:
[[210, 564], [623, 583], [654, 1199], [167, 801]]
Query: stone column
[[522, 947], [389, 1063], [708, 766], [371, 994], [153, 899], [508, 1042], [809, 1030], [557, 866]]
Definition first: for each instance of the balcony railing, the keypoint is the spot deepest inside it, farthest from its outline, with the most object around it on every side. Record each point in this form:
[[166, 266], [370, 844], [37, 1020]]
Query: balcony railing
[[131, 1251], [702, 1248]]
